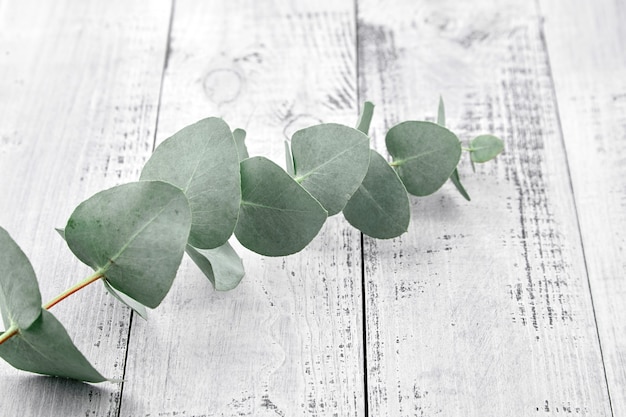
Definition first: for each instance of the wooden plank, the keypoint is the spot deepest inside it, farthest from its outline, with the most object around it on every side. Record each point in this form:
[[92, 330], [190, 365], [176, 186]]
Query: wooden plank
[[79, 87], [587, 48], [482, 308], [288, 340]]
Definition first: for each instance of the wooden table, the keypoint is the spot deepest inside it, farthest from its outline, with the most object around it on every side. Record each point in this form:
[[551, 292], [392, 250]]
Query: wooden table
[[509, 305]]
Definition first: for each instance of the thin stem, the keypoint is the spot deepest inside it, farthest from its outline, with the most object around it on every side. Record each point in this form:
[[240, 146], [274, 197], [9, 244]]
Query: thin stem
[[92, 278], [9, 333], [468, 149], [396, 163], [13, 329]]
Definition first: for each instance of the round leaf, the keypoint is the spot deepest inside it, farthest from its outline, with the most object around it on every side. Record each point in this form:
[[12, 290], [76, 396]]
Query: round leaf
[[133, 304], [330, 162], [222, 266], [135, 234], [20, 299], [425, 155], [202, 159], [485, 147], [46, 348], [277, 217], [380, 207]]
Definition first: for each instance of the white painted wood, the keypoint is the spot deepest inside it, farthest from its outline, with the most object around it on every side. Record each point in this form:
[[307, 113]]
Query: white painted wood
[[482, 308], [288, 340], [79, 84], [587, 47]]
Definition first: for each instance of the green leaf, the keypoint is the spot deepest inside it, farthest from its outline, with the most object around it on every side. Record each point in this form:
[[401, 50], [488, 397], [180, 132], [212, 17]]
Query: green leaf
[[485, 147], [278, 217], [380, 207], [425, 155], [289, 160], [239, 135], [456, 180], [133, 304], [46, 348], [20, 299], [222, 266], [202, 160], [135, 234], [365, 119], [457, 183], [331, 161], [441, 113]]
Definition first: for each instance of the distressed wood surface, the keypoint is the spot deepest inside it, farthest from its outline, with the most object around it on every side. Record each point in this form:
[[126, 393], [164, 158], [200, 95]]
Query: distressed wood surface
[[288, 340], [483, 308], [589, 75], [510, 305], [79, 85]]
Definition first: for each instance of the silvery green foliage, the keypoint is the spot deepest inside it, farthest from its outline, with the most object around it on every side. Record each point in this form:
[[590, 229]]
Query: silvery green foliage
[[424, 155], [222, 266], [135, 235], [330, 162], [203, 160], [41, 344], [278, 216], [199, 187], [20, 300], [484, 148]]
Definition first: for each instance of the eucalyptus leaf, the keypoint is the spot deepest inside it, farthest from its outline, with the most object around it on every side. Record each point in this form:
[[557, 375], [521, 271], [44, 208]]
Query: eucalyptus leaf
[[365, 119], [46, 348], [239, 135], [133, 304], [277, 217], [135, 234], [456, 180], [289, 160], [222, 266], [457, 183], [20, 299], [441, 113], [202, 159], [330, 161], [484, 148], [425, 155], [380, 207]]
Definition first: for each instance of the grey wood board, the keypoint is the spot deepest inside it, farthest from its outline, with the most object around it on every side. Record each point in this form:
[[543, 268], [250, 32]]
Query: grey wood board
[[79, 85], [482, 308], [288, 340], [589, 72]]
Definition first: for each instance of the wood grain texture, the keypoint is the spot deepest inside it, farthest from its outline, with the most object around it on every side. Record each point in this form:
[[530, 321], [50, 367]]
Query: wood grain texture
[[288, 340], [79, 84], [587, 47], [482, 308]]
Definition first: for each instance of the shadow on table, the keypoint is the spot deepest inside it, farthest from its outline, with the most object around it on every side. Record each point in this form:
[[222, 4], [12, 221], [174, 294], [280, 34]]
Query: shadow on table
[[55, 395]]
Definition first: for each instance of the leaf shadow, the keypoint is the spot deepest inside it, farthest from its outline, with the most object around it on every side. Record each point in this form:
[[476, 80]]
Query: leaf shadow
[[56, 393], [444, 206]]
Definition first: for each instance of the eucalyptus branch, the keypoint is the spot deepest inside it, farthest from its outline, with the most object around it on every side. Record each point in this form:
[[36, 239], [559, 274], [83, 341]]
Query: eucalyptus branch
[[198, 189]]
